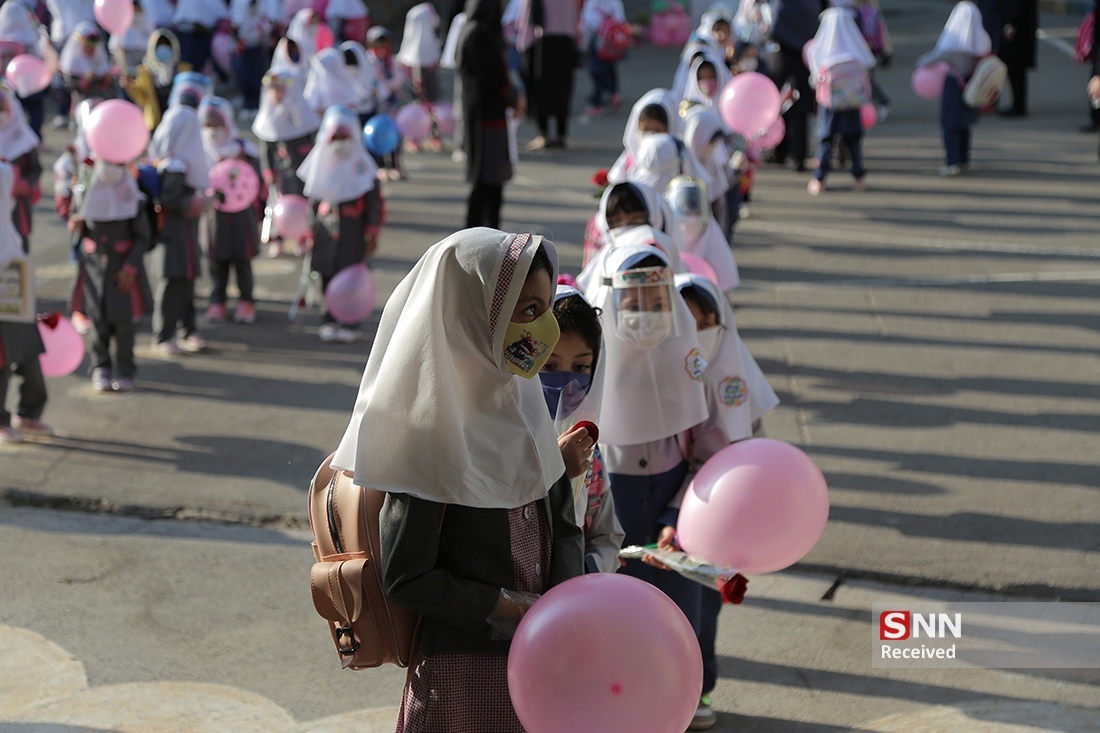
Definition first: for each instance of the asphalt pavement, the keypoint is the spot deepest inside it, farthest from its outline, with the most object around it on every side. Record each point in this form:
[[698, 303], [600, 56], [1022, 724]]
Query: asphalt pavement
[[934, 343]]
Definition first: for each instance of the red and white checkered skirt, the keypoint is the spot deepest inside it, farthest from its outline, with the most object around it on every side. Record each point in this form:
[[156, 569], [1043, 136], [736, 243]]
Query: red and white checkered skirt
[[468, 693]]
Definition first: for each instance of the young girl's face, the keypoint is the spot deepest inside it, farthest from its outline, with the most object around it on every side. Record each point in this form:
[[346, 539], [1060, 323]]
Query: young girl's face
[[721, 32], [381, 47], [703, 319], [652, 298], [571, 354], [617, 218], [648, 125], [534, 298], [88, 46], [708, 80]]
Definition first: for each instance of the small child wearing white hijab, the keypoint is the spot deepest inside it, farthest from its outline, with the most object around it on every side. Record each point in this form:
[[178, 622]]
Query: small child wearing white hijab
[[184, 170], [421, 50], [961, 45], [329, 82], [392, 78], [368, 85], [285, 126], [112, 288], [20, 343], [84, 65], [839, 64], [19, 146], [654, 112], [696, 232], [230, 239], [341, 181]]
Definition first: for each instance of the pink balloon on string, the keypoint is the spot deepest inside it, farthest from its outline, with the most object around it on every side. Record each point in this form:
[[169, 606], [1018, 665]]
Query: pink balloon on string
[[28, 74], [115, 16], [116, 131], [64, 346], [324, 38], [927, 81], [605, 652], [444, 115], [749, 103], [291, 216], [758, 505], [868, 115], [414, 121], [771, 137], [349, 296], [699, 266]]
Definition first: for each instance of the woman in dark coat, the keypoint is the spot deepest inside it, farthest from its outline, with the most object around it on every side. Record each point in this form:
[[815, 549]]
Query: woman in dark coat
[[795, 23], [486, 93], [1018, 49]]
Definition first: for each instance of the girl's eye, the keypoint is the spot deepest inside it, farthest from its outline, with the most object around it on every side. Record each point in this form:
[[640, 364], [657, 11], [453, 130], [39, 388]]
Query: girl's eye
[[582, 368]]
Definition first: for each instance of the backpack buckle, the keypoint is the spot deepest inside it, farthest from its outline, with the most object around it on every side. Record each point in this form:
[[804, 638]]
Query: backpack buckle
[[350, 646]]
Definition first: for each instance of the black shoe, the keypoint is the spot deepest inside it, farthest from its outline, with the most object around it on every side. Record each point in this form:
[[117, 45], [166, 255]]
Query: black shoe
[[1090, 129], [555, 143], [1013, 113]]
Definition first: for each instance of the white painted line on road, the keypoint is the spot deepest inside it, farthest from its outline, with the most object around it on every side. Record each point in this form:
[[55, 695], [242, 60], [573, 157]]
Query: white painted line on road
[[911, 241], [1059, 43], [897, 282]]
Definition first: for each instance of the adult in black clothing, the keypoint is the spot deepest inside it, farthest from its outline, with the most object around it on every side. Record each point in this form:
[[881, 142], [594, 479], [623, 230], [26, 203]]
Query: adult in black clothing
[[794, 24], [1018, 49], [486, 94], [992, 19]]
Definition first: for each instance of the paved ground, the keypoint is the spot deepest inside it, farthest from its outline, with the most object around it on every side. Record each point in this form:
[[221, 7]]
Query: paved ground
[[934, 343]]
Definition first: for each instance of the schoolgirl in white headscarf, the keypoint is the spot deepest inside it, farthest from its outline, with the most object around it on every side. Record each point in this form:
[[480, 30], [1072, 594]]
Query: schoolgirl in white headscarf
[[753, 22], [420, 48], [661, 157], [705, 91], [633, 133], [303, 31], [83, 54], [696, 232], [364, 72], [963, 33], [19, 25], [838, 40], [19, 146], [329, 82], [179, 138], [285, 126]]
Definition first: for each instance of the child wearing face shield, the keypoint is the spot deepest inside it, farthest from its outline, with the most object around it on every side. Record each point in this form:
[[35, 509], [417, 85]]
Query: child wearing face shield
[[654, 407], [19, 147], [20, 343], [112, 288], [572, 387], [696, 232], [230, 238], [341, 182]]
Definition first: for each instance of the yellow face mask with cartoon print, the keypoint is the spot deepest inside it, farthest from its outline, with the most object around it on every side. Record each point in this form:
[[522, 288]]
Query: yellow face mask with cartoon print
[[528, 346]]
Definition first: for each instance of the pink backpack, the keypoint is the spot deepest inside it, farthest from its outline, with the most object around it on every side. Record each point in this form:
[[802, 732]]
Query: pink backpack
[[613, 39]]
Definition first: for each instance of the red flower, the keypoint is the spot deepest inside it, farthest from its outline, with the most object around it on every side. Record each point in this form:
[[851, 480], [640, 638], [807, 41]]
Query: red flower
[[49, 319], [734, 589], [600, 178]]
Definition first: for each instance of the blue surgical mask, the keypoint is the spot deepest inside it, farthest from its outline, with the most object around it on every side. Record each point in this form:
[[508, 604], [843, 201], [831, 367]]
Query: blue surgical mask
[[564, 388], [164, 54]]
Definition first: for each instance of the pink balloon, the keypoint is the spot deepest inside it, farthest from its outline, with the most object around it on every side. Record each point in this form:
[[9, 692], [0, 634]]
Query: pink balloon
[[699, 266], [28, 74], [749, 103], [64, 348], [771, 137], [444, 115], [324, 37], [679, 24], [291, 216], [115, 16], [349, 296], [238, 183], [605, 652], [759, 505], [868, 115], [928, 81], [116, 131], [414, 121]]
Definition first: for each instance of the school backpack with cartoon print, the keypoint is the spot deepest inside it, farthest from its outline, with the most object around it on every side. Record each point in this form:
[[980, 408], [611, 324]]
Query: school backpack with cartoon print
[[985, 84], [613, 39], [842, 87]]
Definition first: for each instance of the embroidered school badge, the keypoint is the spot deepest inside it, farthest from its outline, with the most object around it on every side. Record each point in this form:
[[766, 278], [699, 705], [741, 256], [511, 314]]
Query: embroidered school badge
[[733, 391], [695, 365]]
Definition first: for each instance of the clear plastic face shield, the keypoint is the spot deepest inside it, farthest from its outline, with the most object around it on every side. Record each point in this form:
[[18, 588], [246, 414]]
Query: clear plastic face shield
[[687, 197], [644, 299]]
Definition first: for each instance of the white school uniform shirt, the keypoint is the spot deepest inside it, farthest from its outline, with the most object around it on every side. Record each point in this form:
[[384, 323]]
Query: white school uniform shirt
[[420, 47], [437, 383], [253, 24]]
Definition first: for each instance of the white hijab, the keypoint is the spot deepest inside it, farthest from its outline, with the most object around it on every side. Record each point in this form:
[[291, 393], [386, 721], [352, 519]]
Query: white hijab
[[75, 62], [346, 9], [700, 127], [291, 118], [661, 157], [232, 146], [11, 245], [694, 93], [838, 40], [200, 12], [693, 48], [753, 21], [439, 416], [713, 248], [329, 82], [113, 199], [18, 24], [591, 277], [420, 44], [650, 394], [281, 61], [136, 37], [964, 33], [179, 138], [656, 208], [338, 176], [728, 394], [365, 76], [632, 137], [449, 58], [304, 33], [16, 137]]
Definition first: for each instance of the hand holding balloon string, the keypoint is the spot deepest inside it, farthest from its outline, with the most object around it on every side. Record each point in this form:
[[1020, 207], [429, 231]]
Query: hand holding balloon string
[[510, 608]]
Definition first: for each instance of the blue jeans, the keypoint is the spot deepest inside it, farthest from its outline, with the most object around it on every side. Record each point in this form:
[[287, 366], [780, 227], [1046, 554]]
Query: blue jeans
[[709, 610], [854, 143], [605, 81], [249, 67], [956, 143]]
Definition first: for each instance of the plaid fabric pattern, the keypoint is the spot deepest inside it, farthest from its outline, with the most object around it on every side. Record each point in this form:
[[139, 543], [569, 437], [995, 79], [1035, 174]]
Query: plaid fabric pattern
[[511, 259], [468, 693]]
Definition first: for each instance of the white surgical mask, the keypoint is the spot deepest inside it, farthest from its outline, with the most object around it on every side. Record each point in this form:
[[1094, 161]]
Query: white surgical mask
[[341, 147], [645, 329], [217, 135], [709, 338]]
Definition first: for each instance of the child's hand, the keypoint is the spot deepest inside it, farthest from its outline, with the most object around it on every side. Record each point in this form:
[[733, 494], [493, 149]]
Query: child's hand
[[576, 451], [665, 541], [125, 280]]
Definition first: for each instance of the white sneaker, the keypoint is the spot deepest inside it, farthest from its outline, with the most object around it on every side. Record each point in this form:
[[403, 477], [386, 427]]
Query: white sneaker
[[9, 434], [327, 332], [347, 335], [745, 211], [705, 718], [950, 171]]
